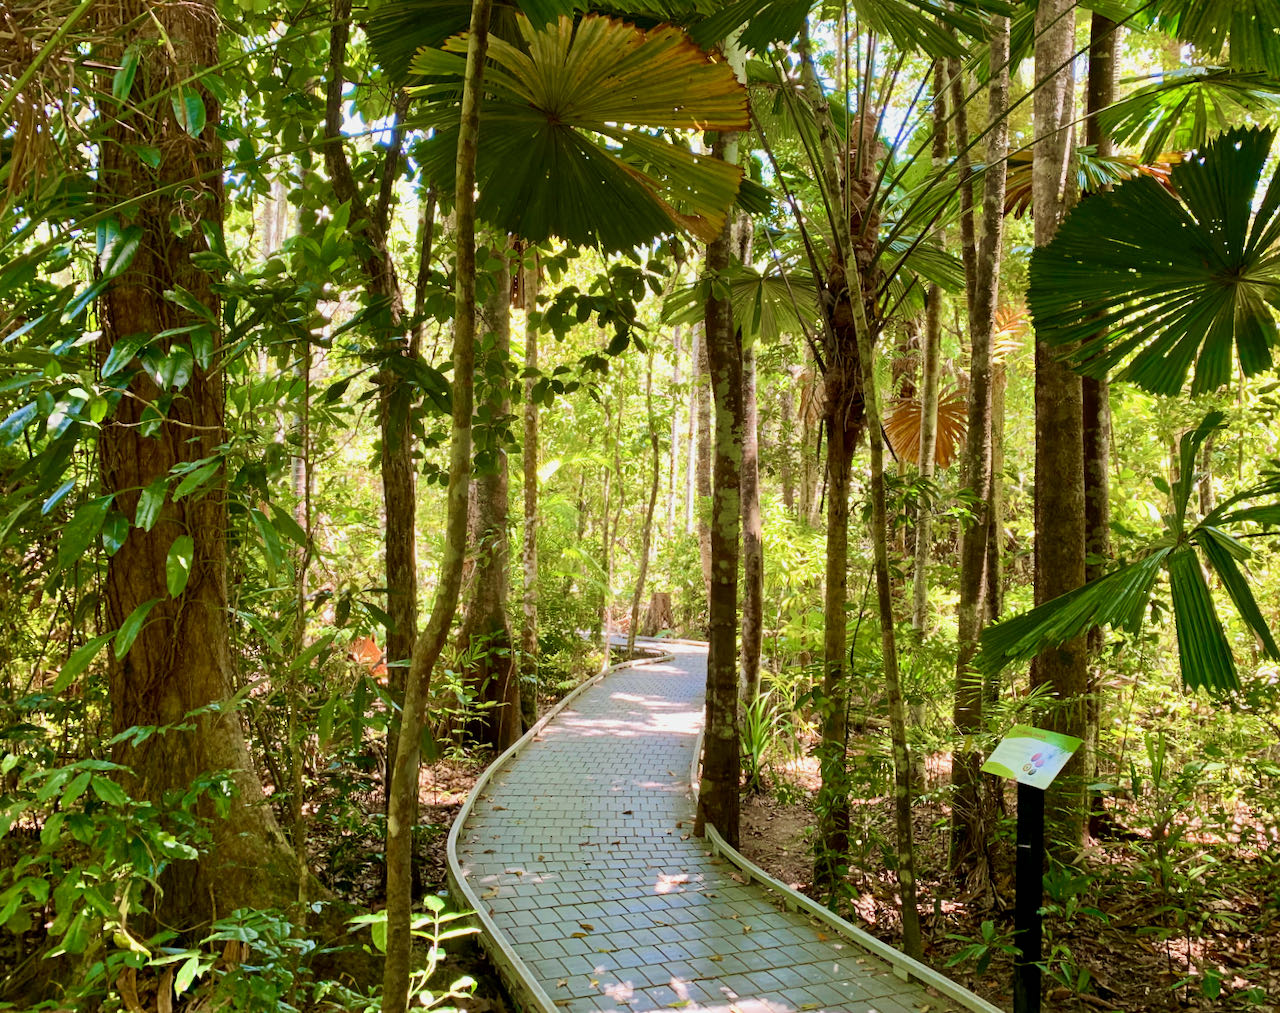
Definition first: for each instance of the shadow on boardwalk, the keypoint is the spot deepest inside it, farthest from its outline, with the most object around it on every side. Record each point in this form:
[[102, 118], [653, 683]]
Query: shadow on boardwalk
[[580, 852]]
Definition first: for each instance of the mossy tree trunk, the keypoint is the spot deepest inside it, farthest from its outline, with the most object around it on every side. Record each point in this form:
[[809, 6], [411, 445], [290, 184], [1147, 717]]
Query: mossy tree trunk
[[181, 661]]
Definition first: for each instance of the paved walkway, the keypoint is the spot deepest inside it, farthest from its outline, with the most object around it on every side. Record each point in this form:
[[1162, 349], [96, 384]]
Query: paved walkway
[[581, 851]]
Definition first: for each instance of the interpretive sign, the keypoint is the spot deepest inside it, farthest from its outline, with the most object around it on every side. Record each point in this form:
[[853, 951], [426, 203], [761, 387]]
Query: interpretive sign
[[1031, 756]]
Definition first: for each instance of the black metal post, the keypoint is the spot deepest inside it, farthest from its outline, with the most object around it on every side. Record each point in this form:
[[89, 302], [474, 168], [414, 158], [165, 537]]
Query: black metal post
[[1029, 885]]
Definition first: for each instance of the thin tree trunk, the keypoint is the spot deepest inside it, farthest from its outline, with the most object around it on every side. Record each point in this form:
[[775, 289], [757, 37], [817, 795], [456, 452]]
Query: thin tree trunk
[[529, 556], [647, 536], [402, 810], [691, 441], [968, 833], [1059, 481], [786, 444], [673, 455], [180, 663], [605, 506], [426, 246], [752, 533], [394, 393], [853, 284], [930, 368]]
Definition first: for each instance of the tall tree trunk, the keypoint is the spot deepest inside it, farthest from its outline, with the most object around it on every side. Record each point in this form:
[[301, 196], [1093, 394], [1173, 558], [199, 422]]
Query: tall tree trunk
[[673, 451], [605, 506], [486, 631], [401, 813], [382, 288], [852, 284], [930, 354], [647, 537], [705, 438], [1059, 481], [721, 763], [529, 555], [1104, 64], [180, 663], [786, 445], [752, 533], [968, 834], [692, 445]]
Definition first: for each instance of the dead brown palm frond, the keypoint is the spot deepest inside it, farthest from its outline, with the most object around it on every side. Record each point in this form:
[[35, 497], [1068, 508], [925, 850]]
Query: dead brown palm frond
[[902, 427], [1010, 332]]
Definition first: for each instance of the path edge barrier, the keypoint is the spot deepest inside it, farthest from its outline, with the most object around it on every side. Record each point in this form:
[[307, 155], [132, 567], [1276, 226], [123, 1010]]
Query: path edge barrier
[[515, 974], [904, 967]]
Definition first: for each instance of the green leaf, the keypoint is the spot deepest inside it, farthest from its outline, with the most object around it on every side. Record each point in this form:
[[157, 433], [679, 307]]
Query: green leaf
[[1204, 656], [289, 527], [115, 530], [132, 626], [195, 479], [270, 542], [123, 352], [78, 662], [1246, 29], [81, 530], [1161, 282], [117, 247], [202, 347], [176, 370], [177, 566], [1120, 598], [324, 722], [186, 974], [122, 80], [108, 791], [190, 303], [150, 501], [1219, 550], [16, 423], [57, 496], [188, 109]]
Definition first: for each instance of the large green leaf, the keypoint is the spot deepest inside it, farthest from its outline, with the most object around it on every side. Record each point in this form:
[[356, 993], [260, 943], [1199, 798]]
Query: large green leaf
[[764, 304], [1246, 29], [580, 134], [912, 24], [1121, 597], [1167, 280], [1186, 108]]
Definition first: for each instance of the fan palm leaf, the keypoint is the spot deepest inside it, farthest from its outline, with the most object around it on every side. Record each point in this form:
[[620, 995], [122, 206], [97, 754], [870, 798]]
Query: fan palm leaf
[[582, 132], [1169, 279]]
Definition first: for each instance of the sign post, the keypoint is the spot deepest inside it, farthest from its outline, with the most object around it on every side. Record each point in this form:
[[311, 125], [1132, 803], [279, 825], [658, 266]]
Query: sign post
[[1033, 757]]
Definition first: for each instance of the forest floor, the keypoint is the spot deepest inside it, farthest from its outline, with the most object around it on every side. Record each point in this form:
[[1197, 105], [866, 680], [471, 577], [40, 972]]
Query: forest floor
[[1117, 930]]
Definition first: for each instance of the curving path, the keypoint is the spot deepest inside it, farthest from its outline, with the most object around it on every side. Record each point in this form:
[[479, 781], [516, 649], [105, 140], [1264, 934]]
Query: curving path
[[595, 896]]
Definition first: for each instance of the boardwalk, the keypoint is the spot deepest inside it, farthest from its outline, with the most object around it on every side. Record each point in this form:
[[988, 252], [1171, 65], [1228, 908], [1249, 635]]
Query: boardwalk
[[580, 851]]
